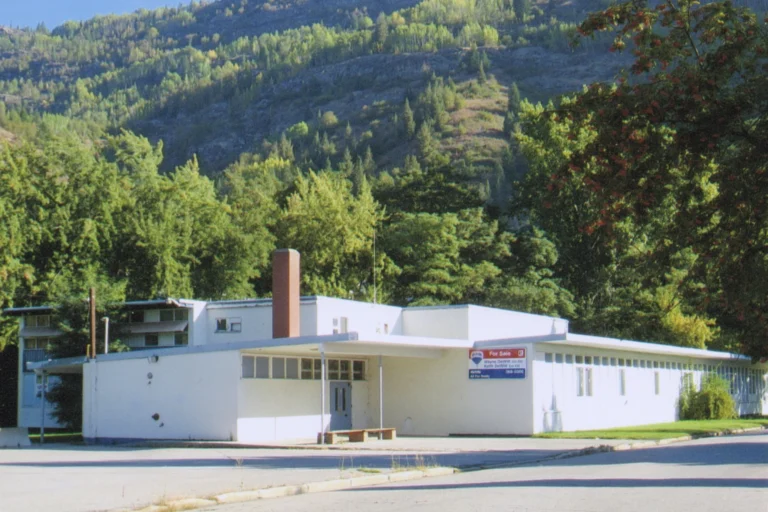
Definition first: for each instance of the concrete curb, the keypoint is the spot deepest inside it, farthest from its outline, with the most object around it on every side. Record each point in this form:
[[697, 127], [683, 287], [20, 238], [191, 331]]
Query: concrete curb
[[292, 490]]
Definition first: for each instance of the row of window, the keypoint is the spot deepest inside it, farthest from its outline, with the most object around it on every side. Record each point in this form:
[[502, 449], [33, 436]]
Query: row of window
[[132, 317], [37, 343], [643, 363], [232, 324], [305, 368], [166, 315], [749, 383], [37, 321], [153, 339], [585, 382]]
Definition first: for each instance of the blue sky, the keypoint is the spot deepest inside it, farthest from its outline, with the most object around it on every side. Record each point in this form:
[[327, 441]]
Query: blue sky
[[28, 13]]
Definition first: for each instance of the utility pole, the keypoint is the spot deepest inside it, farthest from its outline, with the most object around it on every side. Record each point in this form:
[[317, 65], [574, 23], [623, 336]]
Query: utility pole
[[92, 311]]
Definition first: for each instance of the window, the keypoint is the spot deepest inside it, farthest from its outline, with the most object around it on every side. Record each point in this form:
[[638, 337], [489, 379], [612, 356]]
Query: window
[[333, 369], [605, 361], [621, 362], [340, 325], [655, 364], [37, 321], [262, 367], [278, 367], [657, 383], [358, 370], [635, 363], [173, 315], [547, 357], [622, 382], [37, 343], [568, 358], [667, 365], [181, 338], [247, 364], [642, 364], [292, 368], [613, 361], [311, 369], [579, 359], [344, 370], [234, 324], [135, 317], [587, 359], [151, 340], [558, 358], [688, 381], [584, 384], [306, 369]]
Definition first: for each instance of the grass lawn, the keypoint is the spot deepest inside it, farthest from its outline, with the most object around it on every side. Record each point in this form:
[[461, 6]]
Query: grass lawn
[[57, 437], [660, 430]]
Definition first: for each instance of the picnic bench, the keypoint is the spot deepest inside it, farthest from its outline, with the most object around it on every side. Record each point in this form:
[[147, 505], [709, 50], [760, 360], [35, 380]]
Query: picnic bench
[[356, 435]]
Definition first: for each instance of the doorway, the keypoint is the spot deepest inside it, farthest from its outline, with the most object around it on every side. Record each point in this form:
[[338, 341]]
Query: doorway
[[341, 405]]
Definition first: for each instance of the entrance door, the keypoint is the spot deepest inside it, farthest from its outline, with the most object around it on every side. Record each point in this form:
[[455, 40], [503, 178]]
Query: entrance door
[[341, 405]]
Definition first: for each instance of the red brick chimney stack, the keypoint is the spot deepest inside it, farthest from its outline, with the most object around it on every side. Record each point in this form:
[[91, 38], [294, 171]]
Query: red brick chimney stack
[[285, 293]]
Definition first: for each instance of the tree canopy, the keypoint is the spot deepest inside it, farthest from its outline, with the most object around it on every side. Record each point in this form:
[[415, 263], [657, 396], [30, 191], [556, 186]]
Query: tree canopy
[[662, 175]]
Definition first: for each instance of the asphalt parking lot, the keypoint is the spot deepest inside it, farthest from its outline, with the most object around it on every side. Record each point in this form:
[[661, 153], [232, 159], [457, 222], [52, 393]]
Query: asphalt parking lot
[[71, 478]]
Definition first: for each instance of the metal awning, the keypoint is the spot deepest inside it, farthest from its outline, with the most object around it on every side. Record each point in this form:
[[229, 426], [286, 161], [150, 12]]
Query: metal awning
[[152, 327], [59, 366]]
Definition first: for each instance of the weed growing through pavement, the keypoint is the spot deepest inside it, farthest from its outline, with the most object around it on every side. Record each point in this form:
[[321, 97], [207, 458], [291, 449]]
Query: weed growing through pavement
[[418, 461]]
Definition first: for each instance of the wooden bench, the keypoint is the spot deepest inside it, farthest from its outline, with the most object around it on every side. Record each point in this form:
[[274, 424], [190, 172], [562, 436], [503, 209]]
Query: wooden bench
[[357, 435]]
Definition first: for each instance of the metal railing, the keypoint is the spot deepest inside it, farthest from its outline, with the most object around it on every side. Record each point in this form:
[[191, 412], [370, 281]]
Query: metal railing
[[34, 355]]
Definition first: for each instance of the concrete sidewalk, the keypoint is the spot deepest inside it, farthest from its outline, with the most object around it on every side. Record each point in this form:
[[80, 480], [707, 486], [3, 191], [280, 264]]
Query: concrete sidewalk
[[70, 478]]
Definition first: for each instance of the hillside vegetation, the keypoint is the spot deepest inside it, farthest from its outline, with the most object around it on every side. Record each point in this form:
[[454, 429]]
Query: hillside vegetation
[[168, 152]]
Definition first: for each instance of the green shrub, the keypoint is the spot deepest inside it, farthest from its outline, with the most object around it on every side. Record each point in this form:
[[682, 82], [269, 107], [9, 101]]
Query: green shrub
[[712, 402]]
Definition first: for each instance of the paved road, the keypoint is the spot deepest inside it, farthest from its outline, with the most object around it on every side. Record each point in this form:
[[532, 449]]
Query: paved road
[[76, 478], [717, 474]]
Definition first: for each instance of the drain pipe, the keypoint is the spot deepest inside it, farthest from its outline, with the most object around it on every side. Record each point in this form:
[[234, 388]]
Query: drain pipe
[[106, 334], [44, 379], [322, 394]]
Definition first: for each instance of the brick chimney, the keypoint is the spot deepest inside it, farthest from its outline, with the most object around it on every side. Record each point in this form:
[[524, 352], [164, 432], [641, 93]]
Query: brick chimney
[[285, 293]]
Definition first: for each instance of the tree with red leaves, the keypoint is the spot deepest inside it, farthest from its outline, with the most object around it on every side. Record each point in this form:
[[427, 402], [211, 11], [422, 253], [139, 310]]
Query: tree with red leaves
[[677, 148]]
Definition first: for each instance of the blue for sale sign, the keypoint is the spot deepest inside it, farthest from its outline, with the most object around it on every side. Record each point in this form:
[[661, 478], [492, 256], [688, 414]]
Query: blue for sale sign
[[506, 363]]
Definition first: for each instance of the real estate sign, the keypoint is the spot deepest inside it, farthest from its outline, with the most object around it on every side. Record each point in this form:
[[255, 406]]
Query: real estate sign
[[500, 363]]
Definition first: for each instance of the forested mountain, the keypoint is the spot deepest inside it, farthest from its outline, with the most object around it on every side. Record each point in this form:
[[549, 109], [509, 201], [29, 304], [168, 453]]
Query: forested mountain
[[168, 152]]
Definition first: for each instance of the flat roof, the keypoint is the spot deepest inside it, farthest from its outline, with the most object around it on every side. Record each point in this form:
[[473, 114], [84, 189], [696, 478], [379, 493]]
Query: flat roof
[[23, 310]]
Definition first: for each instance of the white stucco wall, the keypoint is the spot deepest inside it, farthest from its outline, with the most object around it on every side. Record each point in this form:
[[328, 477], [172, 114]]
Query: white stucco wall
[[489, 323], [194, 396], [198, 322], [256, 321], [362, 317], [274, 410], [436, 397], [280, 409], [437, 322], [557, 406]]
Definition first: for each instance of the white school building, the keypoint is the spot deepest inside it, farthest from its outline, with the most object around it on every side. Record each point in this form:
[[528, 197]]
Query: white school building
[[252, 371]]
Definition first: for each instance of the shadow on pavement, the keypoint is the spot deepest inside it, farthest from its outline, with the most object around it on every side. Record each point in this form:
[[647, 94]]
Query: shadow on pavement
[[315, 461], [747, 483]]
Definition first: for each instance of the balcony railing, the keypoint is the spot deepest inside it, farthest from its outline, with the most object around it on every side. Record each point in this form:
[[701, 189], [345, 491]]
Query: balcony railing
[[34, 355]]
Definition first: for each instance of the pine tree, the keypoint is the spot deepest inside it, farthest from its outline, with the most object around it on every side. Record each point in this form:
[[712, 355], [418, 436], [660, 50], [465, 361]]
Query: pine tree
[[409, 123]]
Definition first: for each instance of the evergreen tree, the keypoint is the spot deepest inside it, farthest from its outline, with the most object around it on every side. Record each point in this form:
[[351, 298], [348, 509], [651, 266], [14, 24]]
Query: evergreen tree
[[409, 124]]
